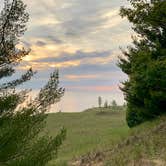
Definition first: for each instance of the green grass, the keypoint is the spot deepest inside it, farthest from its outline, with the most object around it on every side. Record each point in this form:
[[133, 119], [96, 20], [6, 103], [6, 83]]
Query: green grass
[[145, 146], [88, 131], [106, 131]]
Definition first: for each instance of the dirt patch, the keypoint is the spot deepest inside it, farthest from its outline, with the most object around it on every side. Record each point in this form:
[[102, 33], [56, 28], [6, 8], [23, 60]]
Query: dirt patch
[[91, 159]]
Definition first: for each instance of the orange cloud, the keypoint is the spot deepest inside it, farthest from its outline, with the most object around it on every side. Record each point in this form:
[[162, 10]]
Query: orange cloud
[[46, 65], [77, 77]]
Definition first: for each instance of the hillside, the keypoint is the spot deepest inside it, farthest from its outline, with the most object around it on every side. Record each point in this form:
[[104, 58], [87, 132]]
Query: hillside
[[144, 146], [87, 131], [96, 137]]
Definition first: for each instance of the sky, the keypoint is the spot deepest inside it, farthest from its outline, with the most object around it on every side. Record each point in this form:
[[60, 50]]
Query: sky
[[82, 38]]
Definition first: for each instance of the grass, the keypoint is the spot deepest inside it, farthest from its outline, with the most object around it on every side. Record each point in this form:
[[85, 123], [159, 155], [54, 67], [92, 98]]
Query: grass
[[145, 146], [104, 133], [92, 130]]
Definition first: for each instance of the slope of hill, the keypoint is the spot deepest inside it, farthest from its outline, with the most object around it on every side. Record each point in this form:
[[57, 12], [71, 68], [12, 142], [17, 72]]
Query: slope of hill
[[145, 146], [97, 138], [88, 131]]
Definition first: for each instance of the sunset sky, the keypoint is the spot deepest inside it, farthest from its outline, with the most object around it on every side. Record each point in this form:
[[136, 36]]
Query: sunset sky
[[81, 38]]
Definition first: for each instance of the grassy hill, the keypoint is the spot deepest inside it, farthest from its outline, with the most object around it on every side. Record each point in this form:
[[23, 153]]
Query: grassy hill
[[145, 146], [87, 131], [101, 137]]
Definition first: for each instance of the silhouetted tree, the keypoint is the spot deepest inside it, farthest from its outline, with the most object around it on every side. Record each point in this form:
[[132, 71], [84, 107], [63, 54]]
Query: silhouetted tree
[[21, 143], [106, 104], [114, 104], [99, 101], [145, 62]]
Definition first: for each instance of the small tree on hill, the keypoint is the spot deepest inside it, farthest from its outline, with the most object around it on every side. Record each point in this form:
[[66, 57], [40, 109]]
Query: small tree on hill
[[114, 104], [99, 101], [21, 143], [106, 104]]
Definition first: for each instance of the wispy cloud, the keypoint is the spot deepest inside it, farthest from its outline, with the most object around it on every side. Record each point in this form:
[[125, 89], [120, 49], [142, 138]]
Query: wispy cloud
[[94, 88], [68, 59], [79, 77], [111, 75]]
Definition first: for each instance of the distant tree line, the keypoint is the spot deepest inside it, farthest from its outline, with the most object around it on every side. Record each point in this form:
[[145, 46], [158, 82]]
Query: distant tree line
[[105, 103]]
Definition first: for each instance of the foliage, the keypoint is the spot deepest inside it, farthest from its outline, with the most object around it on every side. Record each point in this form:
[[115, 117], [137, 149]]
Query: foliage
[[21, 141], [145, 61]]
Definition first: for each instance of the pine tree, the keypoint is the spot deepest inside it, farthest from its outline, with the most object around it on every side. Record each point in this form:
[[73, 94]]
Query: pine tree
[[21, 141], [145, 61]]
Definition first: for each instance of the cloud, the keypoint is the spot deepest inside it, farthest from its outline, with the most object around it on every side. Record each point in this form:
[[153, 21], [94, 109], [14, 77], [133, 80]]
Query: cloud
[[83, 23], [45, 65], [26, 44], [67, 60], [40, 43], [80, 77], [111, 75], [82, 38], [78, 55], [74, 34], [54, 39], [94, 88]]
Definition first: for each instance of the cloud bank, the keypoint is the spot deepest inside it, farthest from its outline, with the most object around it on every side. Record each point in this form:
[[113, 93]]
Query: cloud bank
[[82, 39]]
